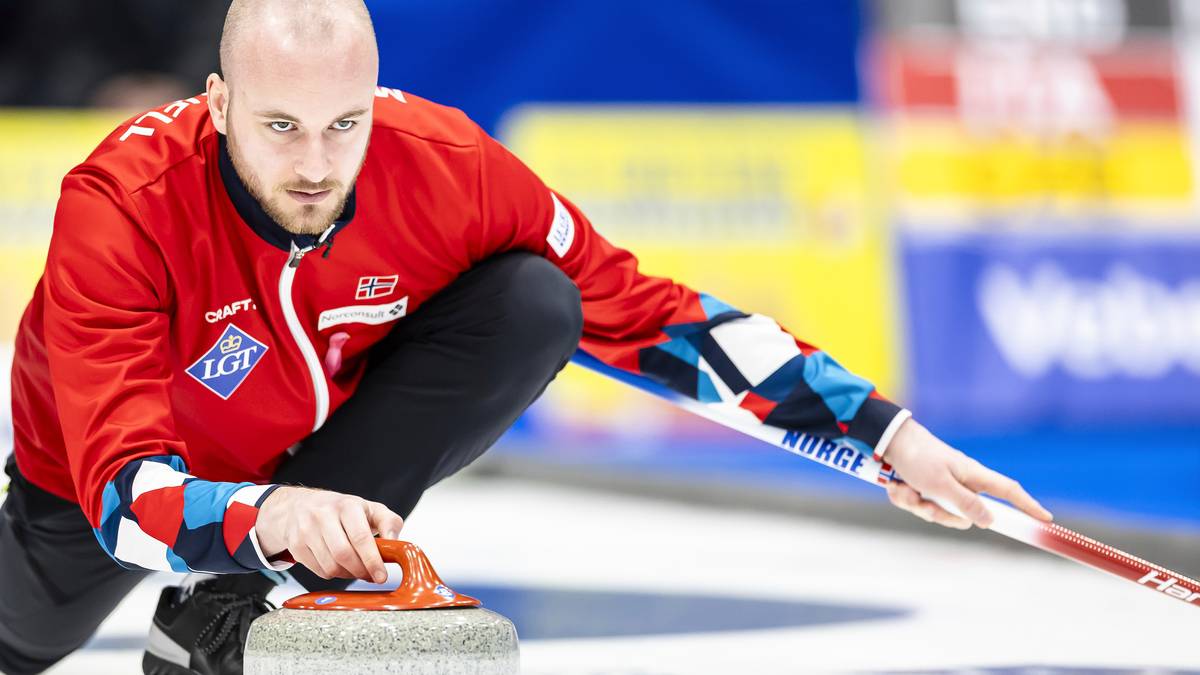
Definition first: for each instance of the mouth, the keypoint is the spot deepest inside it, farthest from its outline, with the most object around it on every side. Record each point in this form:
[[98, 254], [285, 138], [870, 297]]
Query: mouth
[[309, 197]]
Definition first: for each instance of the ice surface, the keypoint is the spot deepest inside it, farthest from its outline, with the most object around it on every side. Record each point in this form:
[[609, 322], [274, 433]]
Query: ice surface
[[961, 606]]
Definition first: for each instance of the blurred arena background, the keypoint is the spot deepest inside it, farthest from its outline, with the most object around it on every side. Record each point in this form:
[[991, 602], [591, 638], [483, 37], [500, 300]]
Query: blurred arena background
[[988, 207]]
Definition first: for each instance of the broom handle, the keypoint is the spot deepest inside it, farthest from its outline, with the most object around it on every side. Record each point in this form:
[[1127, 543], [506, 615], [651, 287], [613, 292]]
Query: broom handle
[[847, 459]]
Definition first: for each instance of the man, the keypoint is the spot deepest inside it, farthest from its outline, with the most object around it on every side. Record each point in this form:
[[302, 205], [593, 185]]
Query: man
[[300, 279]]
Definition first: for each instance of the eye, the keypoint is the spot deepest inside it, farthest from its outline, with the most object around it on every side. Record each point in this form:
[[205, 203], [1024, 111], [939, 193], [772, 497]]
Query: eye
[[343, 125], [281, 126]]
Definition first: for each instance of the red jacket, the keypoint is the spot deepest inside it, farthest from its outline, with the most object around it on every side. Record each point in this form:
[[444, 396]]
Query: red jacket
[[170, 354]]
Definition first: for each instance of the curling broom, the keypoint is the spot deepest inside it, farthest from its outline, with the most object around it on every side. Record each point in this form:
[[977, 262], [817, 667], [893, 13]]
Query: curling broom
[[1006, 520]]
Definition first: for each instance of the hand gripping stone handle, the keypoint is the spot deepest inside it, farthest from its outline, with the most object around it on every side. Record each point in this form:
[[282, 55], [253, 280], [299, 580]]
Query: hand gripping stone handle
[[420, 587]]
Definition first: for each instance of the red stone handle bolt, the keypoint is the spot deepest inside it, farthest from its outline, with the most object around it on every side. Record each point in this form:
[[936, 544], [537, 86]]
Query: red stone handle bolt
[[420, 588]]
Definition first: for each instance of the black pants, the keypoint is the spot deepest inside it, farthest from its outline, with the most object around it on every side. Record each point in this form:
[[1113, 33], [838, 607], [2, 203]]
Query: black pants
[[444, 385]]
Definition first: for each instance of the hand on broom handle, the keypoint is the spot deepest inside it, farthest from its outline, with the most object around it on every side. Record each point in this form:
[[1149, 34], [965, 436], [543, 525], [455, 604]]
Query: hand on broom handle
[[942, 485], [1004, 519], [935, 474]]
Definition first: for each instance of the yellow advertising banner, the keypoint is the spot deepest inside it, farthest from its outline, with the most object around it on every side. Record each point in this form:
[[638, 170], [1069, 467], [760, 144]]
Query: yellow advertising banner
[[768, 208], [1141, 169], [37, 148]]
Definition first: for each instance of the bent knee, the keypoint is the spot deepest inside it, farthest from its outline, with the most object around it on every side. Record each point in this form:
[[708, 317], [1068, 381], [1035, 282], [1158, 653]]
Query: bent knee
[[542, 304]]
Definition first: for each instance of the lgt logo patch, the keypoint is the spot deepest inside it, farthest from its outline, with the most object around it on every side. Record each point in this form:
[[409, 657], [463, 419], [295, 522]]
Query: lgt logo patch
[[228, 363]]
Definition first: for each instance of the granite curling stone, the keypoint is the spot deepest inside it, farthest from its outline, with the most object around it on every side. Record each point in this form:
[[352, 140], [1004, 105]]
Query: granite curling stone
[[421, 627]]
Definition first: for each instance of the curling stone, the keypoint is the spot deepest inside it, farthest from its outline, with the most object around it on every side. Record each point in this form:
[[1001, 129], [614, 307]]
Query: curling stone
[[422, 627]]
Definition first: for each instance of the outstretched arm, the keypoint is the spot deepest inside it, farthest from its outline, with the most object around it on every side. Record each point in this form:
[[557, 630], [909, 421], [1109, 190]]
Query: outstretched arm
[[715, 354]]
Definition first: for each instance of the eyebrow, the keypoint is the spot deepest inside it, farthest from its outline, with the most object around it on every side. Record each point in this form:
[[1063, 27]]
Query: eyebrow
[[281, 115]]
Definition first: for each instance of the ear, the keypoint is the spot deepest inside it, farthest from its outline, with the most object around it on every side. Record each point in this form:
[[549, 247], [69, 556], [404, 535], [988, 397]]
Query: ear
[[218, 102]]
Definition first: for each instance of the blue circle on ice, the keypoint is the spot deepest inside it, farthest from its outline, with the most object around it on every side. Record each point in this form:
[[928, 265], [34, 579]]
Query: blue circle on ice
[[565, 613], [325, 600]]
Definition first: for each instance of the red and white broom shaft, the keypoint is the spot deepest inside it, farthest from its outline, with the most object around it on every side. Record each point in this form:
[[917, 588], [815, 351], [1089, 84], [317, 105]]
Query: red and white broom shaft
[[849, 460], [1074, 546]]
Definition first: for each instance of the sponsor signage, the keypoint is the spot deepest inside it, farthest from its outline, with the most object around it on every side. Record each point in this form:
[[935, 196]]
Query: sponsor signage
[[767, 207], [1010, 331], [228, 363]]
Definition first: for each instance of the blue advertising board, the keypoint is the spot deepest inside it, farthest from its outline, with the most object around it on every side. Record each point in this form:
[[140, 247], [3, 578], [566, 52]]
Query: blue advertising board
[[1012, 332]]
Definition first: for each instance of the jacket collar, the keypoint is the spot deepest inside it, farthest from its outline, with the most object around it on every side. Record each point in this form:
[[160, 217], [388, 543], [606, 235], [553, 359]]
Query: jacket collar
[[263, 225]]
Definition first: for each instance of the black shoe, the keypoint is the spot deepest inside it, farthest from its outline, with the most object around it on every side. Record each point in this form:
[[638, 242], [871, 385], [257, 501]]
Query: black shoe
[[205, 632]]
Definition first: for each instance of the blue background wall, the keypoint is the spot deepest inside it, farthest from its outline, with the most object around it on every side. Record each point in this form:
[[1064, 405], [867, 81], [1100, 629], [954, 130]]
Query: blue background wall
[[486, 56]]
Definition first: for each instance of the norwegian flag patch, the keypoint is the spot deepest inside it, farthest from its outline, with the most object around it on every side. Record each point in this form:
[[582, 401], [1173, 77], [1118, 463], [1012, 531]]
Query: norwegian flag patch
[[375, 287]]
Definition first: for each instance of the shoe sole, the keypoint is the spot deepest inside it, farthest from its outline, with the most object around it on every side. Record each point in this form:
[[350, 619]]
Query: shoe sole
[[163, 656], [152, 665]]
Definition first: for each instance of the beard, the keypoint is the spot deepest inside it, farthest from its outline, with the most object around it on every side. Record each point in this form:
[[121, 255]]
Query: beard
[[296, 218]]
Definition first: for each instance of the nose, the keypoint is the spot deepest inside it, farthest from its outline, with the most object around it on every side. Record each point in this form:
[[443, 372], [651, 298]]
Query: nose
[[314, 165]]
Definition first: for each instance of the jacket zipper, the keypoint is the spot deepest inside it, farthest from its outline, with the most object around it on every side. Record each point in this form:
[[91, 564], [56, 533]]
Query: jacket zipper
[[307, 351]]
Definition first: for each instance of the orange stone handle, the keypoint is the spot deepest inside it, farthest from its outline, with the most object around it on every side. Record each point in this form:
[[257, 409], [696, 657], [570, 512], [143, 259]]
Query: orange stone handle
[[420, 587]]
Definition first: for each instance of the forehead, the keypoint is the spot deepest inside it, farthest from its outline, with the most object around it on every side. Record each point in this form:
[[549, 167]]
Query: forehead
[[304, 77]]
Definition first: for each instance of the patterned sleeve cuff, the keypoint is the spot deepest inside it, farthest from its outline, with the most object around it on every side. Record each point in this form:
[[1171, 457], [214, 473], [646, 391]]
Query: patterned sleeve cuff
[[247, 549], [876, 423], [886, 439]]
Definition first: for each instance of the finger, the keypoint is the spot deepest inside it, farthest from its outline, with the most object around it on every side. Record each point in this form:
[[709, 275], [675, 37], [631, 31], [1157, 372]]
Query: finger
[[358, 532], [910, 499], [339, 547], [968, 503], [303, 555], [384, 521], [907, 499], [895, 494], [943, 517], [314, 538], [982, 479], [327, 567]]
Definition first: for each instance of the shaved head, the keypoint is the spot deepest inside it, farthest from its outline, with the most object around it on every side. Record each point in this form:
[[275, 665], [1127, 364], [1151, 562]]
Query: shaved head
[[295, 100], [291, 25]]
